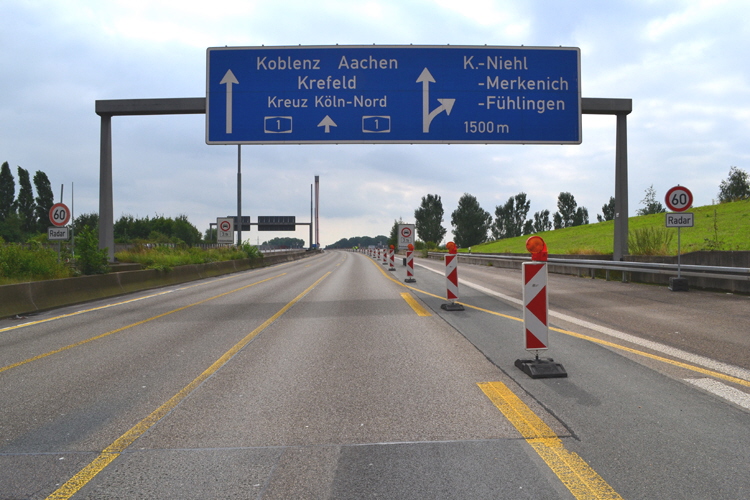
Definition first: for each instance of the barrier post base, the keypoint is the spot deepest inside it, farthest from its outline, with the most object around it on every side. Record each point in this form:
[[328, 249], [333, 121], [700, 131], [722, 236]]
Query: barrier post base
[[410, 280], [541, 368], [452, 306], [678, 284]]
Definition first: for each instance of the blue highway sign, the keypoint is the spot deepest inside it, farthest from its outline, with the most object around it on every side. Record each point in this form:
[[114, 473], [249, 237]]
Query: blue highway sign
[[393, 94]]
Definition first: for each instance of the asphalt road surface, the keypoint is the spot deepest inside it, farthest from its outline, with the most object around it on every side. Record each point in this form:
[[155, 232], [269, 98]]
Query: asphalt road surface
[[332, 378]]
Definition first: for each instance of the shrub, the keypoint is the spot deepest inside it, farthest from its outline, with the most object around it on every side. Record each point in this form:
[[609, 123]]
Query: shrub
[[31, 262], [650, 241], [90, 260]]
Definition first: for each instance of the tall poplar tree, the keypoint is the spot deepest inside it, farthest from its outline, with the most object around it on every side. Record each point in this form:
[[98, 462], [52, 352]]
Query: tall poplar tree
[[25, 203], [7, 192], [44, 200]]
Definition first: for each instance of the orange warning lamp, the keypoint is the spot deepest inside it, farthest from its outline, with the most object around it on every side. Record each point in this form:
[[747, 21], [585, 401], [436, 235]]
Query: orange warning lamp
[[452, 248], [410, 247], [537, 247], [392, 247]]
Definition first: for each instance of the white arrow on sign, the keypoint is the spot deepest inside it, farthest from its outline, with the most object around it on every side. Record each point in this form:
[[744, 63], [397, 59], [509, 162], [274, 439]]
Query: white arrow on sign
[[229, 79], [445, 104], [327, 123]]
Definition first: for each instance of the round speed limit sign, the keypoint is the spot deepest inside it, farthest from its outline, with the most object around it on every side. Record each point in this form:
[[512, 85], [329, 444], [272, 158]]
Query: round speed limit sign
[[679, 199], [59, 214]]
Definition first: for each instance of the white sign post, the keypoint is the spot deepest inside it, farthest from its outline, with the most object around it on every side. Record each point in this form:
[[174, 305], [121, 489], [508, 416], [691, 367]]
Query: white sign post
[[224, 230], [679, 199], [59, 216]]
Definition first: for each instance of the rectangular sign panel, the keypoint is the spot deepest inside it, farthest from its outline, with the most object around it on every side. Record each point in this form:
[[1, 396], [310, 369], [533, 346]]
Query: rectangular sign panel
[[680, 220], [277, 223], [58, 233], [406, 235], [245, 222], [393, 94], [225, 230]]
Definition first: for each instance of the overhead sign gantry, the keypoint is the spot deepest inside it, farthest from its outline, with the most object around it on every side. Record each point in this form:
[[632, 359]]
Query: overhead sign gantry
[[220, 104], [393, 94]]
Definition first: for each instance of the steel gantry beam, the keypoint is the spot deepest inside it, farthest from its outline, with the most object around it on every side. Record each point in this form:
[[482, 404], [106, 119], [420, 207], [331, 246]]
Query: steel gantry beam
[[106, 109]]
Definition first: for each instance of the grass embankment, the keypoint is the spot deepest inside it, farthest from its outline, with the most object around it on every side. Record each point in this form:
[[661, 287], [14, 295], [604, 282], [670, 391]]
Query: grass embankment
[[166, 258], [717, 227], [35, 262]]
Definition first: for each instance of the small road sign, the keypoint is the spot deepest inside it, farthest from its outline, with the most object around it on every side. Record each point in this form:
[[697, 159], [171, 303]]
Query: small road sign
[[405, 236], [679, 199], [59, 214], [684, 219], [58, 234], [225, 230]]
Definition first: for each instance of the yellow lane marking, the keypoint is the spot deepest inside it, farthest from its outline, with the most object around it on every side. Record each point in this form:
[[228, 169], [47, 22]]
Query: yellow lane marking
[[439, 296], [421, 311], [77, 344], [582, 481], [120, 444], [680, 364]]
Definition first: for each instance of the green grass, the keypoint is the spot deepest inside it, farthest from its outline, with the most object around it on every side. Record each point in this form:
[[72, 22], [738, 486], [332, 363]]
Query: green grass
[[166, 258], [728, 229], [23, 263], [34, 262]]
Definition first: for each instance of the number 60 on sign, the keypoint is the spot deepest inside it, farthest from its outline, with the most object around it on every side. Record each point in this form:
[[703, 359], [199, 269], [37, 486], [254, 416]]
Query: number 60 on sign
[[59, 214], [679, 199]]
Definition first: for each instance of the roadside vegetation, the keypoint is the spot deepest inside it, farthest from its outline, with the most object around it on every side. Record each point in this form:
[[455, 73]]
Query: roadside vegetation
[[167, 257], [35, 262], [720, 227]]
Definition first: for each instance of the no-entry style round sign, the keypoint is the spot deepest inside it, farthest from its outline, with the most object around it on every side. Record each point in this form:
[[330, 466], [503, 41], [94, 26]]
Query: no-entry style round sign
[[225, 225], [59, 214], [679, 199], [406, 232]]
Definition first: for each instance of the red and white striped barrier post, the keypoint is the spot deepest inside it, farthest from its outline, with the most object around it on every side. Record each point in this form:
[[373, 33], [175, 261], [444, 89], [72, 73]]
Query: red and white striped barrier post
[[535, 305], [410, 265], [392, 259], [451, 278], [385, 257], [535, 313]]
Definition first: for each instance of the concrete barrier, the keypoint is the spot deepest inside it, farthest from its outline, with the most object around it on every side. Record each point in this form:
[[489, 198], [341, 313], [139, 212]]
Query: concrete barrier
[[24, 298]]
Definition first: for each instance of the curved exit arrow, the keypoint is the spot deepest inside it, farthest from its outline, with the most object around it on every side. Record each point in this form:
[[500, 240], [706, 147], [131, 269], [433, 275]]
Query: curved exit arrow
[[445, 104]]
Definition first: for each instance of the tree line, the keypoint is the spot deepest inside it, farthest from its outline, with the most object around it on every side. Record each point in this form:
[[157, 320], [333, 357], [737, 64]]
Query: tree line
[[474, 225], [360, 242], [157, 229]]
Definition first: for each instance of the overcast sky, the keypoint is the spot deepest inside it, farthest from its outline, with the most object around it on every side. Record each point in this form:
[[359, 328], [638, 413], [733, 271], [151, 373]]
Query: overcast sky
[[684, 64]]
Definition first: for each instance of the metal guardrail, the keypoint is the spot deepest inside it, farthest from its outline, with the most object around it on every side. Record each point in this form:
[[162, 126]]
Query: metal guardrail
[[720, 272]]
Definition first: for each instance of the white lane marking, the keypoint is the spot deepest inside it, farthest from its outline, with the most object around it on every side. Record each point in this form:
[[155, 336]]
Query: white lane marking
[[725, 368], [722, 390]]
